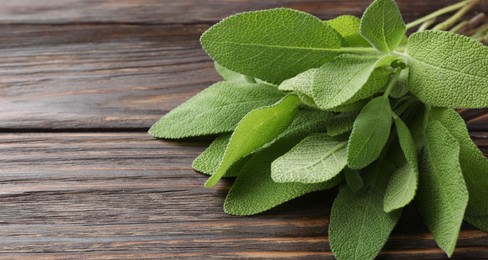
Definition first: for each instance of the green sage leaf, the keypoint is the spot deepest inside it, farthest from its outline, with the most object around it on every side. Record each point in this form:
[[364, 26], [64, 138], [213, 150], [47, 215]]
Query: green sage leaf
[[442, 195], [254, 191], [344, 80], [257, 128], [225, 104], [353, 179], [370, 133], [358, 226], [272, 45], [448, 69], [230, 75], [348, 27], [382, 25], [341, 123], [479, 222], [403, 183], [474, 164], [317, 158]]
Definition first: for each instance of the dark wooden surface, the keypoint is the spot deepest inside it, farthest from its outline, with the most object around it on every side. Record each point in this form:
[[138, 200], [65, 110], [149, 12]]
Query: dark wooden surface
[[80, 83]]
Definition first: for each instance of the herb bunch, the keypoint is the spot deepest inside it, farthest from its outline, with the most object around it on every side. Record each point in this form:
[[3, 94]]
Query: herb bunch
[[309, 105]]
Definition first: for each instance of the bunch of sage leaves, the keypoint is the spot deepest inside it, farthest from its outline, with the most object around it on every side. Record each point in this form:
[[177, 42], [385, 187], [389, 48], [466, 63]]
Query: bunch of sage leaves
[[309, 105]]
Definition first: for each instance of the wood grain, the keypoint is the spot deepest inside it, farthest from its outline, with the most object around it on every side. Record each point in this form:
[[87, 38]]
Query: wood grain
[[60, 70], [80, 83], [183, 11], [127, 195]]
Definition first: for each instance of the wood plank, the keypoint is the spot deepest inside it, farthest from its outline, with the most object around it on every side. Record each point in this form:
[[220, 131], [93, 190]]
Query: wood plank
[[183, 11], [105, 76], [126, 196]]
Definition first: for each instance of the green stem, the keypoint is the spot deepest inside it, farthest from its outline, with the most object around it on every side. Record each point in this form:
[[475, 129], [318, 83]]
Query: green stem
[[438, 13], [424, 26], [458, 15], [393, 81], [480, 32], [459, 26]]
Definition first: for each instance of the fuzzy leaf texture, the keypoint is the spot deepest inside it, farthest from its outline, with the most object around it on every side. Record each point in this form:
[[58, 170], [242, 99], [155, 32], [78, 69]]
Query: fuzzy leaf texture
[[448, 70], [346, 79], [442, 195], [225, 103], [370, 133], [317, 158], [306, 122], [272, 45], [348, 27], [254, 191], [403, 183], [257, 128], [474, 164], [382, 25], [358, 226]]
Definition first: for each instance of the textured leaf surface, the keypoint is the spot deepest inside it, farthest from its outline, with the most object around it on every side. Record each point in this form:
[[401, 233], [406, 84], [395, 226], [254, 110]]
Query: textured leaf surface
[[348, 27], [474, 164], [358, 226], [479, 222], [272, 45], [403, 183], [341, 123], [370, 133], [346, 79], [382, 25], [317, 158], [257, 128], [306, 122], [401, 87], [442, 195], [353, 179], [217, 109], [254, 191], [448, 70], [230, 75]]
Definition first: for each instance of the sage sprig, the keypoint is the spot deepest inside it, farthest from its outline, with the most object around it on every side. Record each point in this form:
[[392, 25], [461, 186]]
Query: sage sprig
[[309, 105]]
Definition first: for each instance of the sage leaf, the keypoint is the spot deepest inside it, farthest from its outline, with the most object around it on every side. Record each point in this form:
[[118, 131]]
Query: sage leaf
[[442, 195], [254, 191], [353, 179], [358, 226], [403, 183], [317, 158], [225, 103], [448, 70], [382, 25], [257, 128], [272, 45], [401, 87], [341, 123], [344, 80], [370, 133], [348, 27], [479, 222], [474, 164], [305, 122], [230, 75]]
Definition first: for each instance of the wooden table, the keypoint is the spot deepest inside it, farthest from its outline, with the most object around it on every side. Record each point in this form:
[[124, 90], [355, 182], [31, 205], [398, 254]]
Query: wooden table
[[81, 82]]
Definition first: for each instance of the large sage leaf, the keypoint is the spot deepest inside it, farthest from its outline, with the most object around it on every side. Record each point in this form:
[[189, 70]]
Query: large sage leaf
[[370, 133], [448, 70], [348, 27], [358, 226], [382, 25], [442, 195], [272, 45], [474, 164]]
